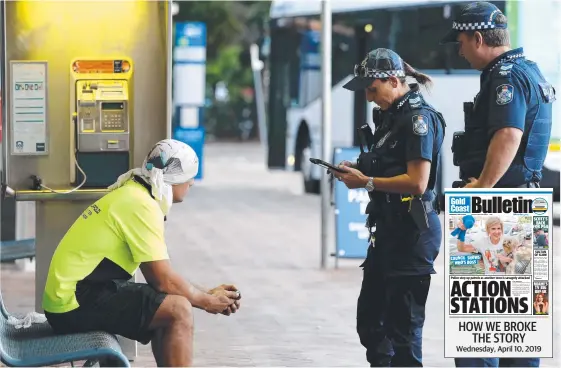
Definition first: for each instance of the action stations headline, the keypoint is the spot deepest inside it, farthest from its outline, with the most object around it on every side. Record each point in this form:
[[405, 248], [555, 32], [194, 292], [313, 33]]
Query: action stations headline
[[498, 274]]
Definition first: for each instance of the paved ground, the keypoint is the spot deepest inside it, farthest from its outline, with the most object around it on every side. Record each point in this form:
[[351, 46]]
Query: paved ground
[[256, 229]]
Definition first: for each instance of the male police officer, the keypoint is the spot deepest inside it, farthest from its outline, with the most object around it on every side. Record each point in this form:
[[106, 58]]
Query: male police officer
[[508, 126]]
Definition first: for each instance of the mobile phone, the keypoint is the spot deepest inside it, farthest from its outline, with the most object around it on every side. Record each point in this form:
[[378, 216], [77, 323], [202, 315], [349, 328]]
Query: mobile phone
[[327, 165]]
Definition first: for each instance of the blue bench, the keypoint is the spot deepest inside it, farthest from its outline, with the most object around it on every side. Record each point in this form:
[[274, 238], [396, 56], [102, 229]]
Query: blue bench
[[17, 249], [39, 346]]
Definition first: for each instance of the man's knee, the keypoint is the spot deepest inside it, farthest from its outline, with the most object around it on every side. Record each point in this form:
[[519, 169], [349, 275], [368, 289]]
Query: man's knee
[[174, 310], [182, 312]]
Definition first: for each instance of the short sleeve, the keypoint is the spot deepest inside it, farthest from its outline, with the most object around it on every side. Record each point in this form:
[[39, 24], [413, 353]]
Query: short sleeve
[[507, 105], [479, 244], [420, 135], [142, 226]]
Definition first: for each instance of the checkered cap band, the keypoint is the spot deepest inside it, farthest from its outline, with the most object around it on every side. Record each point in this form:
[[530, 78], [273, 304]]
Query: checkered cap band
[[472, 26], [361, 71]]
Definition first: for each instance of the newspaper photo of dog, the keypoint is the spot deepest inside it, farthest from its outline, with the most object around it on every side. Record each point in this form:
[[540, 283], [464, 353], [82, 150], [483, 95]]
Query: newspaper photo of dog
[[521, 256]]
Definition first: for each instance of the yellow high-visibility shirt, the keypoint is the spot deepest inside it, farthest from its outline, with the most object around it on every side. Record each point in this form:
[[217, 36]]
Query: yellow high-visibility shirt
[[108, 241]]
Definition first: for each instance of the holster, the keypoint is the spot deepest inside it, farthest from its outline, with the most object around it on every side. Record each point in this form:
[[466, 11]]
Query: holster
[[458, 148], [418, 212], [459, 140], [373, 210]]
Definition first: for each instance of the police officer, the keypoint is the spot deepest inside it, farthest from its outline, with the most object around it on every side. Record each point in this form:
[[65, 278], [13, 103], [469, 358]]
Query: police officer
[[399, 171], [508, 126]]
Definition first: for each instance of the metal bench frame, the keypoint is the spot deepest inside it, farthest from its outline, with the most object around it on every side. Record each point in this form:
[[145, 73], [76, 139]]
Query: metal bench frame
[[17, 249], [99, 355]]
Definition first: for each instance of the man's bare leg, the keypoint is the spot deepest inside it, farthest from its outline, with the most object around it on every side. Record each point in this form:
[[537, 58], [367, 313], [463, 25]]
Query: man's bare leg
[[175, 320], [157, 347]]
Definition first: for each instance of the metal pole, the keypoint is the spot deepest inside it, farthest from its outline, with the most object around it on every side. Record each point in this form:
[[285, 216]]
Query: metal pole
[[326, 126], [257, 67], [169, 68], [3, 94]]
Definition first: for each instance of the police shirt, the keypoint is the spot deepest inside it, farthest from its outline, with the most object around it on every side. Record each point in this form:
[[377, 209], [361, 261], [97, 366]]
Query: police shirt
[[409, 130], [513, 94], [108, 241]]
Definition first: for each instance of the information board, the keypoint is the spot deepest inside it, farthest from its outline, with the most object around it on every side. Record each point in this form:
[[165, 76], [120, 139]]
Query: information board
[[28, 107], [189, 72], [351, 234]]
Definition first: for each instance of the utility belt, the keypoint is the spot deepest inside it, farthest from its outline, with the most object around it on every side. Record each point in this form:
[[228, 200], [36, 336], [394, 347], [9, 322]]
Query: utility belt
[[392, 208], [531, 184]]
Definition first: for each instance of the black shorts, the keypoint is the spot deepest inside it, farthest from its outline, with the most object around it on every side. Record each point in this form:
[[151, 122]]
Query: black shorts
[[119, 307]]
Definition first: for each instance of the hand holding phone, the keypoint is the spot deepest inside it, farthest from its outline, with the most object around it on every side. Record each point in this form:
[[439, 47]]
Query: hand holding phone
[[327, 165]]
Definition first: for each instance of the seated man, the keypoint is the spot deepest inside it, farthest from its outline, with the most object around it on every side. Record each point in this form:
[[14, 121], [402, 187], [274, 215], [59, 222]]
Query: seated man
[[89, 283]]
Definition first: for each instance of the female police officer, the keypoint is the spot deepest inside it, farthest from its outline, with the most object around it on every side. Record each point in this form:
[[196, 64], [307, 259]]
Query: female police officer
[[399, 172]]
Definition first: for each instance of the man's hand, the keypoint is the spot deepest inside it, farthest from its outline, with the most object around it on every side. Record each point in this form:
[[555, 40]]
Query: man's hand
[[472, 183], [218, 304], [231, 292], [232, 308], [352, 178]]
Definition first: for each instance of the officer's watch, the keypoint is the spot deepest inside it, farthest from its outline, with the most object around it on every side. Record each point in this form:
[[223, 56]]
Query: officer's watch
[[370, 185]]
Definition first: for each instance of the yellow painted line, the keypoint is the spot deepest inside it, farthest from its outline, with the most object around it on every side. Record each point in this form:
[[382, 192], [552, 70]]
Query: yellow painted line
[[555, 147]]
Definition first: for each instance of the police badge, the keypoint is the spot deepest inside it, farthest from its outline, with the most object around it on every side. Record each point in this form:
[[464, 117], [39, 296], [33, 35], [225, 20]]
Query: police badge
[[505, 94], [420, 126]]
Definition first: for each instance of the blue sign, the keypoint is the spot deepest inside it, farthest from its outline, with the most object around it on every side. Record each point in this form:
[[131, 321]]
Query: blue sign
[[190, 34], [189, 73], [465, 259], [309, 51], [351, 234], [195, 138], [459, 205]]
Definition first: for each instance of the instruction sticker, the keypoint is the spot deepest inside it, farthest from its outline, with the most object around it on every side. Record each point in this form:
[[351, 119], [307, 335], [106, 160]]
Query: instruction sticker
[[28, 107]]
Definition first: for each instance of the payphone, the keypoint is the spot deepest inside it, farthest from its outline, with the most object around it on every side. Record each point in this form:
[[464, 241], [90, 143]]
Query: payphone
[[101, 121]]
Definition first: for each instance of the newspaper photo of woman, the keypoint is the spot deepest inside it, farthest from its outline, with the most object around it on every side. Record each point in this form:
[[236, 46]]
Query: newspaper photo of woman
[[541, 304], [492, 245]]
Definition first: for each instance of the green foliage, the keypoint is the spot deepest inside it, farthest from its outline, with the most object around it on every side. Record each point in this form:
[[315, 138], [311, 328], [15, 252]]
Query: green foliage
[[231, 27]]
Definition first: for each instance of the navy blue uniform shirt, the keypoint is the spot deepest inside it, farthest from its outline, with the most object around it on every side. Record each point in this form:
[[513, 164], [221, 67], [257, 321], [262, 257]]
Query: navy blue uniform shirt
[[410, 130], [513, 94]]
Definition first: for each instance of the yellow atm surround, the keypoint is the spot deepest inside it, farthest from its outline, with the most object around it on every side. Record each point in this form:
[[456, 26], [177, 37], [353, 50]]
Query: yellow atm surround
[[101, 110]]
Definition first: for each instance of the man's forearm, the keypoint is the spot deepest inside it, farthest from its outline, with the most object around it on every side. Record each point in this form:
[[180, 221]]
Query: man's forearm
[[200, 288], [501, 152], [176, 285]]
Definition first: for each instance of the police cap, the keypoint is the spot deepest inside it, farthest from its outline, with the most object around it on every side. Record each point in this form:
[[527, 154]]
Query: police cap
[[477, 16], [378, 64]]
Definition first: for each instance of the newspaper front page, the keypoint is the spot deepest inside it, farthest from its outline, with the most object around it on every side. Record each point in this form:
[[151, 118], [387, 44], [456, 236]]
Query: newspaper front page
[[498, 278]]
